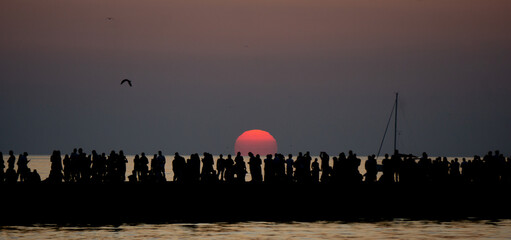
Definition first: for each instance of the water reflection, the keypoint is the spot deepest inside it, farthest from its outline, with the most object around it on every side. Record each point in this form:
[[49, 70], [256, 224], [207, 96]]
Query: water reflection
[[398, 228]]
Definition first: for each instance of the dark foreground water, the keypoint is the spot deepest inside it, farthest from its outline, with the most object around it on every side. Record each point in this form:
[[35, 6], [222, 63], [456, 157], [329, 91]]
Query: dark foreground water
[[395, 229]]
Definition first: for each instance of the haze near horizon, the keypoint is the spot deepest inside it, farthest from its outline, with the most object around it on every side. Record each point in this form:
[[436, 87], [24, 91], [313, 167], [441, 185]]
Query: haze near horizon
[[318, 76]]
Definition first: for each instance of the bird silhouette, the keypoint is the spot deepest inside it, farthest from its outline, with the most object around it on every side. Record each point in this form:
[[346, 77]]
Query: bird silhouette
[[126, 80]]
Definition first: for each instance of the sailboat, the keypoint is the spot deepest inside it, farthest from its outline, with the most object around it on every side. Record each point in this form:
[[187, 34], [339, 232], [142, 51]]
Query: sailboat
[[393, 112]]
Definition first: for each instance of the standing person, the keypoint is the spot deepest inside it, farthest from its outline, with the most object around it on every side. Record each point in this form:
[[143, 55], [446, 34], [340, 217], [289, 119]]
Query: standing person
[[289, 167], [161, 163], [280, 167], [207, 168], [254, 164], [10, 173], [388, 176], [325, 166], [144, 169], [308, 161], [178, 167], [11, 160], [67, 168], [229, 169], [240, 168], [74, 165], [121, 167], [269, 173], [315, 171], [220, 167], [136, 168], [56, 168], [23, 170], [371, 169]]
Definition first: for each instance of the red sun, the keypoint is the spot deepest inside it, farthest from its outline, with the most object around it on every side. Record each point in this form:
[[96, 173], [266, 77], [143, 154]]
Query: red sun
[[255, 141]]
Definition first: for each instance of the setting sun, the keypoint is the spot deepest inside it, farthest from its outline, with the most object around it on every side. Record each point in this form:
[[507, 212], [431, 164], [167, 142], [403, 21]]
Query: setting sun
[[255, 141]]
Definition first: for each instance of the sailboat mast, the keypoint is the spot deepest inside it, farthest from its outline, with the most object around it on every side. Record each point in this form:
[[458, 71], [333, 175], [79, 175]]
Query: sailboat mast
[[395, 123]]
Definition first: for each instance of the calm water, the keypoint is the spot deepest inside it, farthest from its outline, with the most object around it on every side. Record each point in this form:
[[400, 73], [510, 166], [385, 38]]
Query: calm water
[[397, 229]]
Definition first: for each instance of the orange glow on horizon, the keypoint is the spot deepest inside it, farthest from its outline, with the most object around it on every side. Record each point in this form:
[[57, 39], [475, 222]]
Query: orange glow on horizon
[[255, 141]]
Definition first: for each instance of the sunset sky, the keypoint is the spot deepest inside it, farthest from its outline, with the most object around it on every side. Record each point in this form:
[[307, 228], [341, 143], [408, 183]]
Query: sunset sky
[[318, 75]]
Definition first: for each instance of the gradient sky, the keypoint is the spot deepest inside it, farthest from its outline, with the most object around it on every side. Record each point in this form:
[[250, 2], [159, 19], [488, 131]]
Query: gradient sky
[[318, 75]]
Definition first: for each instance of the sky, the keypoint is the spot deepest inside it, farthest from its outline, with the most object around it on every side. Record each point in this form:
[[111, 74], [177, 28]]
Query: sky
[[318, 75]]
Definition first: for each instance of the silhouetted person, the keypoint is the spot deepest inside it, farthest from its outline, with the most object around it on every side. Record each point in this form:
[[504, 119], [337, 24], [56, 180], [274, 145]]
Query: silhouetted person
[[454, 170], [208, 172], [81, 166], [424, 169], [308, 161], [23, 170], [315, 171], [144, 169], [10, 174], [396, 165], [240, 169], [34, 177], [161, 165], [269, 171], [74, 165], [67, 168], [289, 167], [254, 164], [300, 172], [178, 167], [325, 167], [388, 173], [133, 177], [56, 175], [279, 167], [11, 160], [97, 166], [154, 168], [220, 167], [136, 168], [371, 169], [229, 169], [122, 160]]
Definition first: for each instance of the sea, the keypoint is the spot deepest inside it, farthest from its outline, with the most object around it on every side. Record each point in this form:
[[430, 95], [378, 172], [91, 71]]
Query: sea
[[362, 229]]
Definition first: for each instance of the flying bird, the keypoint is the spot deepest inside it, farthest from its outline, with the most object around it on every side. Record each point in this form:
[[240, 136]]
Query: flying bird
[[126, 80]]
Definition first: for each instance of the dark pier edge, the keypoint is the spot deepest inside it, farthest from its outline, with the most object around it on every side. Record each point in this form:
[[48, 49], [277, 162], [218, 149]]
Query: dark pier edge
[[171, 202]]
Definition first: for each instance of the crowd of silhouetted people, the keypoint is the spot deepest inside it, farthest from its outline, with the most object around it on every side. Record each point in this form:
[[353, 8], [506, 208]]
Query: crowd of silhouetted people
[[79, 167]]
